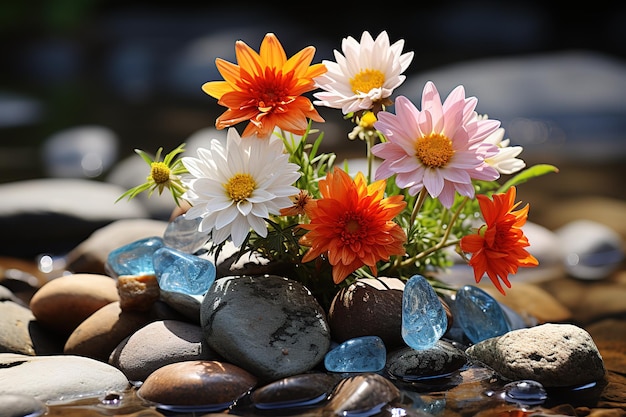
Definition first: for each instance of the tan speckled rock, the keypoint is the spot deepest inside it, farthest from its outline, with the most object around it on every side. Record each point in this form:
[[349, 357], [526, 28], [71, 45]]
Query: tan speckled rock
[[63, 303], [137, 292], [551, 354]]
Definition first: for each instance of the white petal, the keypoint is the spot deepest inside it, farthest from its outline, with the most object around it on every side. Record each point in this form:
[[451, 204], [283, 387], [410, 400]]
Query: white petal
[[244, 207], [225, 217]]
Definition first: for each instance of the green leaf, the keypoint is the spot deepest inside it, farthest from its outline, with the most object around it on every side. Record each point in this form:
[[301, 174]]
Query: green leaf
[[527, 174]]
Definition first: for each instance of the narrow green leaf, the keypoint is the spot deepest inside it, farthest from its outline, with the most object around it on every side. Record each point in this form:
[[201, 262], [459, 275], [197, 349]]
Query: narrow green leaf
[[527, 174]]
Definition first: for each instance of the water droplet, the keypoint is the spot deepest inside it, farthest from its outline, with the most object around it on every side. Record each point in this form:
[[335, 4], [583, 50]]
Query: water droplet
[[526, 391]]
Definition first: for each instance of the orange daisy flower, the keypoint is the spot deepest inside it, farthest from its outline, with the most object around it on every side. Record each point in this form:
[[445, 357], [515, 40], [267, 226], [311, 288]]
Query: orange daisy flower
[[266, 89], [352, 224], [301, 203], [498, 246]]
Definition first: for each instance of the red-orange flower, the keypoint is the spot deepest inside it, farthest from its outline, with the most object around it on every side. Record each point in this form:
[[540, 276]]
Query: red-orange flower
[[498, 247], [266, 89], [352, 224]]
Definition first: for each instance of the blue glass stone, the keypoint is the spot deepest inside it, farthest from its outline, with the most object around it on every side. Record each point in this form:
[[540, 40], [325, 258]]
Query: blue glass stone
[[424, 319], [181, 272], [182, 234], [360, 354], [479, 314], [134, 258]]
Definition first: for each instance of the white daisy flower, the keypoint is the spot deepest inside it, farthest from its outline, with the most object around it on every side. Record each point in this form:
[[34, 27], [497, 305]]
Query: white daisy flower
[[366, 74], [235, 186], [505, 161]]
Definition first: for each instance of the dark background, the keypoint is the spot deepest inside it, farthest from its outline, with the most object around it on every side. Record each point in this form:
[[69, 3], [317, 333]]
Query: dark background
[[136, 67]]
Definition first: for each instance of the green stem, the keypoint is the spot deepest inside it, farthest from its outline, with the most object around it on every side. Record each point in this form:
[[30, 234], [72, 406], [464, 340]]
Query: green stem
[[418, 205], [370, 158], [444, 239]]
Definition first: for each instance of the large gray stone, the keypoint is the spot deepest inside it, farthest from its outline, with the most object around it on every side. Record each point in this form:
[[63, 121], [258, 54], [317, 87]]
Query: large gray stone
[[270, 326]]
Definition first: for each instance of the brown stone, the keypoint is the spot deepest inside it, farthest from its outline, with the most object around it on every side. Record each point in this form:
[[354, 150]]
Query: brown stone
[[65, 302], [100, 333], [609, 336], [531, 301], [589, 300], [197, 383], [368, 307]]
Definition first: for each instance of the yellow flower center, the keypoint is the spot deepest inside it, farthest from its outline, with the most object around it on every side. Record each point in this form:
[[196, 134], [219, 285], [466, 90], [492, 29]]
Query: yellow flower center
[[159, 172], [240, 186], [434, 150], [368, 120], [367, 80]]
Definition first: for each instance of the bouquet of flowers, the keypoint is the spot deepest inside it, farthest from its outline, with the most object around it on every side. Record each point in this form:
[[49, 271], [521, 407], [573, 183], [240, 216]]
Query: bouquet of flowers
[[433, 177]]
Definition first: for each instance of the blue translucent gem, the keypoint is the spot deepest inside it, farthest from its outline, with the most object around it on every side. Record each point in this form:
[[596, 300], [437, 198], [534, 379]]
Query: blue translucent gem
[[479, 314], [182, 234], [424, 319], [181, 272], [360, 354], [134, 258]]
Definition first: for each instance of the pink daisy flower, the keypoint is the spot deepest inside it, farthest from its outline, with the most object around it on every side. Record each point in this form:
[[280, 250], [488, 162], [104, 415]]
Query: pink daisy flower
[[441, 148]]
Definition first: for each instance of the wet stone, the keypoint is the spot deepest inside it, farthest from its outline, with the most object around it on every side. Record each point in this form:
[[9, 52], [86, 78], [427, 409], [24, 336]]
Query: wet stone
[[364, 394], [525, 392], [360, 354], [440, 361], [295, 391], [205, 385], [424, 319]]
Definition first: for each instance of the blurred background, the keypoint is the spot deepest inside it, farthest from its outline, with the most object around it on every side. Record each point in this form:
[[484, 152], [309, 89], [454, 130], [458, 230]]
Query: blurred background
[[83, 83]]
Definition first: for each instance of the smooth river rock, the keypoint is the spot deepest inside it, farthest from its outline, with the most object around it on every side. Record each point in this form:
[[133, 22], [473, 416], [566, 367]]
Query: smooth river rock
[[65, 302], [99, 335], [48, 378], [269, 325], [170, 341], [213, 384], [21, 333], [368, 307]]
